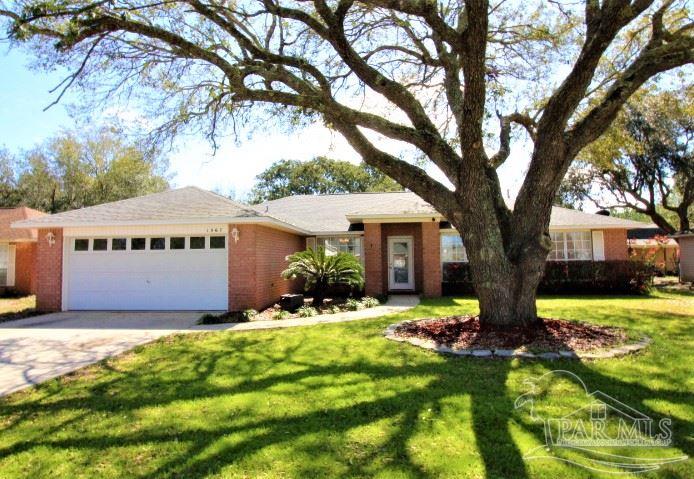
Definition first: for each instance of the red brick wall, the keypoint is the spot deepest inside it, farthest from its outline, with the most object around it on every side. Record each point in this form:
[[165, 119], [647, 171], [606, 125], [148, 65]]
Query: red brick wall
[[49, 271], [255, 264], [402, 229], [431, 259], [373, 259], [426, 250], [25, 268], [615, 245]]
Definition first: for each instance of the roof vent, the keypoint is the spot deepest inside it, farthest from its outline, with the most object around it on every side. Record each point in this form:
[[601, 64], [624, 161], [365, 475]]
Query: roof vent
[[603, 212]]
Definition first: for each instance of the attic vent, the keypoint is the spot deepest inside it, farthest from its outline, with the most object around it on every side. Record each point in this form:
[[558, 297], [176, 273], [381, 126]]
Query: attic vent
[[603, 212]]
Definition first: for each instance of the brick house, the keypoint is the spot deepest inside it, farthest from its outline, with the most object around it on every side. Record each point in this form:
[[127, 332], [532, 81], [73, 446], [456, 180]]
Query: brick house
[[18, 251], [190, 249]]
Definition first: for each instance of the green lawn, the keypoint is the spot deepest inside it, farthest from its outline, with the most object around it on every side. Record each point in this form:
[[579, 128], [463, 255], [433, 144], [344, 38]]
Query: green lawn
[[336, 401]]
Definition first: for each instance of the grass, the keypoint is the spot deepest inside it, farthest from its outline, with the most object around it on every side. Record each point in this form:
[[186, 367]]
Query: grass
[[17, 308], [337, 401]]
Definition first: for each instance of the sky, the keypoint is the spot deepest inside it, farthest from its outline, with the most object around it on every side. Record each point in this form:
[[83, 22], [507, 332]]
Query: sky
[[25, 93]]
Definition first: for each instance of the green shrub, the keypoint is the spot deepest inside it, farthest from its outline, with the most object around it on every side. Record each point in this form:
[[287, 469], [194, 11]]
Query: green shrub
[[250, 313], [353, 305], [307, 311], [321, 270], [334, 309], [228, 317], [569, 277], [281, 314], [369, 302]]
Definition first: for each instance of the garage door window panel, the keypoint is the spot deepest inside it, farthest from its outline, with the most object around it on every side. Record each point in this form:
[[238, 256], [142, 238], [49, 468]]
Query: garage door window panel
[[197, 242], [119, 244], [157, 244], [137, 244], [100, 244], [177, 242], [81, 244], [217, 242]]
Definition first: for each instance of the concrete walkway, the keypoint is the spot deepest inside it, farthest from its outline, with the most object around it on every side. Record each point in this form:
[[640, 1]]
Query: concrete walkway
[[36, 349], [395, 304]]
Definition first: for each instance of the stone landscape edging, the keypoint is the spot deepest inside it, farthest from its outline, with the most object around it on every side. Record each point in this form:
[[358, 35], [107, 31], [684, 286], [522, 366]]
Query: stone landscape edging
[[431, 345]]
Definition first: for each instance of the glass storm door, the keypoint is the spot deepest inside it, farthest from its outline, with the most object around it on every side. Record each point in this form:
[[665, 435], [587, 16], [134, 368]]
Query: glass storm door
[[400, 263]]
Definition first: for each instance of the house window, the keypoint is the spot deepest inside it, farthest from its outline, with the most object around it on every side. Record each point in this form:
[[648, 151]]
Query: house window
[[197, 242], [100, 244], [452, 249], [453, 258], [81, 244], [344, 244], [4, 263], [157, 243], [137, 244], [571, 246], [118, 244], [217, 242], [177, 243]]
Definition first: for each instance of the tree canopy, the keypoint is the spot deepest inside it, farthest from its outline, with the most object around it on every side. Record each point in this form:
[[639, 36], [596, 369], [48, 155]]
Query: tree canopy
[[644, 162], [74, 170], [320, 175], [452, 82]]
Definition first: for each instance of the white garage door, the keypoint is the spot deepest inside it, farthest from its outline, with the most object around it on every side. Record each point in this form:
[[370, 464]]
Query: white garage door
[[165, 273]]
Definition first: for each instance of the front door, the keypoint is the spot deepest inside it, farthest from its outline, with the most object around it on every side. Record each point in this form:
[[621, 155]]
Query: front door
[[400, 263]]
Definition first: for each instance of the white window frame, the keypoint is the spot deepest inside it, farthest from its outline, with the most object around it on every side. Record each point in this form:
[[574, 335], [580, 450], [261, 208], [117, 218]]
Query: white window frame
[[6, 247], [588, 237], [320, 241]]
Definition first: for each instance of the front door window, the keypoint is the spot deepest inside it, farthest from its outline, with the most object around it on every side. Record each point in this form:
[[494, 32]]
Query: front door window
[[400, 252]]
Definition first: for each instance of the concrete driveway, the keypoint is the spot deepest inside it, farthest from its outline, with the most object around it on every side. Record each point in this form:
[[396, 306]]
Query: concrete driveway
[[33, 350]]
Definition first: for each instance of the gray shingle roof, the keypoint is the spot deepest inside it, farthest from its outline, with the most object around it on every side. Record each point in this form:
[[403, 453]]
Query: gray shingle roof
[[328, 213], [306, 213], [184, 204]]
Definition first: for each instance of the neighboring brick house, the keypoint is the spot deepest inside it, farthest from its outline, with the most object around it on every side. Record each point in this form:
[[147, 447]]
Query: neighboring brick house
[[652, 245], [18, 251], [189, 249]]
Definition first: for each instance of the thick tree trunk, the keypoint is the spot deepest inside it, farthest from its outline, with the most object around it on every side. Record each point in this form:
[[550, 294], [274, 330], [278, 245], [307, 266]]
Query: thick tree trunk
[[510, 300], [507, 256]]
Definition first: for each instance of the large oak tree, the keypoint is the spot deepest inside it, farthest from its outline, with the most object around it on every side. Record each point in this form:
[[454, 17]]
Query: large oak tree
[[432, 75], [644, 162]]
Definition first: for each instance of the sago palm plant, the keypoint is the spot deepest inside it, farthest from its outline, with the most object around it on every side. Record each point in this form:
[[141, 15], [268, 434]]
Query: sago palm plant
[[322, 270]]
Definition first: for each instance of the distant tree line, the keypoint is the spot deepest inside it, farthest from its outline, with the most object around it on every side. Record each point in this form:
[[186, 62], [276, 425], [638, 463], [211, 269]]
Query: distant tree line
[[320, 175], [78, 169]]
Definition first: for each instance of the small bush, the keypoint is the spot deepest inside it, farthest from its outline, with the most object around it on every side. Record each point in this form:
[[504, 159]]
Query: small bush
[[567, 277], [353, 305], [307, 311], [228, 317], [334, 309], [281, 314], [369, 302], [250, 313]]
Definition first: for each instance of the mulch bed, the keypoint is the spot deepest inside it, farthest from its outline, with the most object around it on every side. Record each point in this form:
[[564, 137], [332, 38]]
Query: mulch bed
[[464, 332]]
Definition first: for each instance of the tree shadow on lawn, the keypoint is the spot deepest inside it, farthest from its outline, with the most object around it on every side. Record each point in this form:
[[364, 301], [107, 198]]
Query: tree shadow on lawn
[[400, 385]]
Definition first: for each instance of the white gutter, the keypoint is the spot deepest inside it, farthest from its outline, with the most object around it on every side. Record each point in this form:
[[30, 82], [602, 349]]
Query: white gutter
[[29, 224]]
